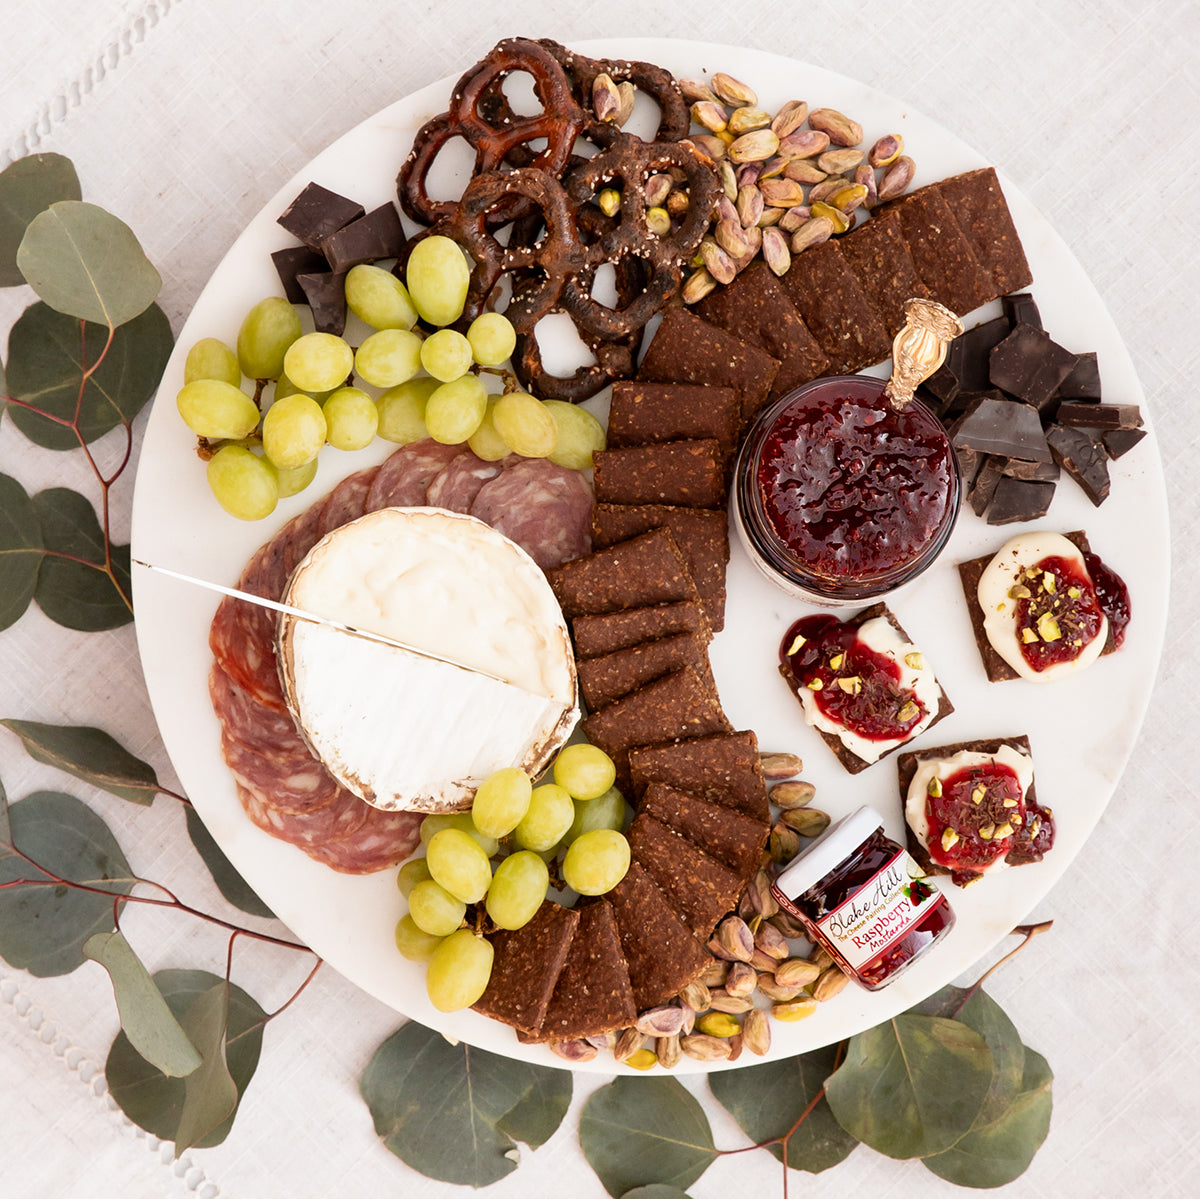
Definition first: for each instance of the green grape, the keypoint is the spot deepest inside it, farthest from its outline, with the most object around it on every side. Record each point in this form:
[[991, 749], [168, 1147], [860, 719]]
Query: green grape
[[414, 944], [293, 480], [492, 339], [446, 355], [412, 872], [458, 971], [501, 801], [550, 814], [607, 811], [285, 387], [525, 425], [378, 298], [457, 862], [351, 419], [434, 824], [269, 329], [485, 442], [584, 770], [388, 357], [518, 889], [216, 409], [244, 484], [454, 411], [437, 276], [318, 362], [434, 910], [596, 861], [211, 358], [580, 434], [402, 410], [293, 431]]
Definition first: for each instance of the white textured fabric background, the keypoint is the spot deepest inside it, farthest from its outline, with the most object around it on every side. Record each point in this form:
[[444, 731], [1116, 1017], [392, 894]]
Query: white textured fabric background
[[183, 116]]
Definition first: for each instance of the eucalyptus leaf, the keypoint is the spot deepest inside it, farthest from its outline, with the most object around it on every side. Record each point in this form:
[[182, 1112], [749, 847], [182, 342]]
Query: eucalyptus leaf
[[912, 1086], [440, 1107], [43, 928], [154, 1101], [87, 263], [210, 1096], [656, 1190], [147, 1021], [5, 827], [1000, 1151], [638, 1131], [89, 754], [767, 1100], [20, 550], [69, 591], [29, 186], [48, 356], [229, 882]]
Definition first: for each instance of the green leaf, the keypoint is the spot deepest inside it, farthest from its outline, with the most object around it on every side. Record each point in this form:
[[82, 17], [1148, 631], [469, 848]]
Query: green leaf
[[145, 1017], [911, 1086], [43, 928], [29, 186], [87, 263], [1000, 1151], [89, 754], [48, 356], [767, 1100], [5, 826], [439, 1107], [70, 592], [210, 1096], [20, 551], [231, 884], [655, 1190], [154, 1101], [638, 1131]]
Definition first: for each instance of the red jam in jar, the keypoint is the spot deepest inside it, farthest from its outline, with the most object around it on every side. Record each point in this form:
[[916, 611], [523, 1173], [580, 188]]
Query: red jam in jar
[[841, 494], [865, 899]]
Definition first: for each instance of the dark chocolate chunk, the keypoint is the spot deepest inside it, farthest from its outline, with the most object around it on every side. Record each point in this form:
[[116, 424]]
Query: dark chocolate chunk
[[1099, 416], [979, 207], [297, 260], [1021, 309], [970, 353], [1029, 364], [1044, 472], [377, 235], [1005, 427], [1120, 441], [942, 385], [969, 464], [1019, 499], [1083, 383], [316, 213], [985, 485], [325, 294], [1083, 458]]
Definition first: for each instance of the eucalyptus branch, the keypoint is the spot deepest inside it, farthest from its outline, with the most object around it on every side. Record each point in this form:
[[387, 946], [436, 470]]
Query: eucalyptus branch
[[1027, 933]]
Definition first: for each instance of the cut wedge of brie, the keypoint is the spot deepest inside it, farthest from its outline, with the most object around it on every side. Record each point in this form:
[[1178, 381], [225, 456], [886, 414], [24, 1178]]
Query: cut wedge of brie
[[407, 731]]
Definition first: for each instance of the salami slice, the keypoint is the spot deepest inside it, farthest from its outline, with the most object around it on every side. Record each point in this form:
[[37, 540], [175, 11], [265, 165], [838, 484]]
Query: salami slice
[[254, 724], [404, 478], [456, 486], [289, 777], [306, 830], [545, 508], [385, 839], [347, 500], [300, 535]]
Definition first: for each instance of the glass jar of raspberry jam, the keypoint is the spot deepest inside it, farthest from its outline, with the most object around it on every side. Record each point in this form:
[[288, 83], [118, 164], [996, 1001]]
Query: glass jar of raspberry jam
[[863, 898]]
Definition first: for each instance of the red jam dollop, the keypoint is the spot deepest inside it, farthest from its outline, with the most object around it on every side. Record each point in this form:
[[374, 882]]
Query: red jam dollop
[[852, 488], [1059, 616], [852, 684], [1112, 595]]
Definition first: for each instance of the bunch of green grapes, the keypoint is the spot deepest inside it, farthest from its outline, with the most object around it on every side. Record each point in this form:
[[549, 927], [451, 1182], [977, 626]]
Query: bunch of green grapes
[[521, 828]]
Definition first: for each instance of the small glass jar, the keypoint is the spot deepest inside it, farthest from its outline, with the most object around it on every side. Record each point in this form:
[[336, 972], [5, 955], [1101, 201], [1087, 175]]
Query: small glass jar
[[865, 899], [838, 497]]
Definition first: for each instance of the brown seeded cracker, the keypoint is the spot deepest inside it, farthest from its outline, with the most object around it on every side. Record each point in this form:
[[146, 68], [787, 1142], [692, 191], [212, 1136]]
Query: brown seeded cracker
[[700, 888], [641, 413], [593, 993], [702, 536], [832, 304], [605, 679], [688, 474], [660, 951], [878, 255], [687, 349], [733, 839], [608, 632], [979, 206], [526, 967], [755, 308]]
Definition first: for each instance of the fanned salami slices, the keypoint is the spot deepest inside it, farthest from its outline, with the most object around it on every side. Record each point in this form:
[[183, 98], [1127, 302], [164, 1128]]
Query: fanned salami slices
[[456, 487], [347, 501], [404, 478]]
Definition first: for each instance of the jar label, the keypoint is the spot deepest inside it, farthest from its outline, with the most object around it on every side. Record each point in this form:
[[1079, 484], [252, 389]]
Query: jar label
[[880, 912]]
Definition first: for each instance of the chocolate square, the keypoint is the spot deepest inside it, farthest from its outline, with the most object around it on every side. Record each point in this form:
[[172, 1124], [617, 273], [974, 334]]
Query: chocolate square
[[1029, 364], [325, 294], [377, 235], [1118, 442], [878, 255], [986, 482], [1021, 309], [641, 413], [1019, 500], [316, 213], [596, 636], [687, 474], [979, 207], [970, 354], [297, 260], [1082, 456], [998, 426], [1099, 416], [1083, 383]]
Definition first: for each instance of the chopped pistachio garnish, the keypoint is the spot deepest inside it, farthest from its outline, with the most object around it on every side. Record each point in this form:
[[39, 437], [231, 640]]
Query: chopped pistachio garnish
[[835, 663], [1004, 830], [910, 711], [1010, 802], [1050, 582], [979, 792], [1035, 827], [949, 838], [799, 640], [985, 833], [1019, 591], [1074, 592], [1048, 627], [935, 787], [851, 686], [915, 660], [815, 684], [1016, 818], [1028, 635]]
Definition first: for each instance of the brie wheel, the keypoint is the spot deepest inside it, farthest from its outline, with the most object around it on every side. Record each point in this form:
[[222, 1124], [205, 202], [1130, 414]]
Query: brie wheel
[[407, 731]]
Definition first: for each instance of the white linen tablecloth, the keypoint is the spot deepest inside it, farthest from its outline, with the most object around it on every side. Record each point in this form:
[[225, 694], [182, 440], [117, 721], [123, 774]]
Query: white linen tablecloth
[[183, 118]]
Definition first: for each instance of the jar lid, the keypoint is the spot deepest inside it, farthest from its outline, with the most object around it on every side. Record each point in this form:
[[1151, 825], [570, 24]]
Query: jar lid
[[828, 851]]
